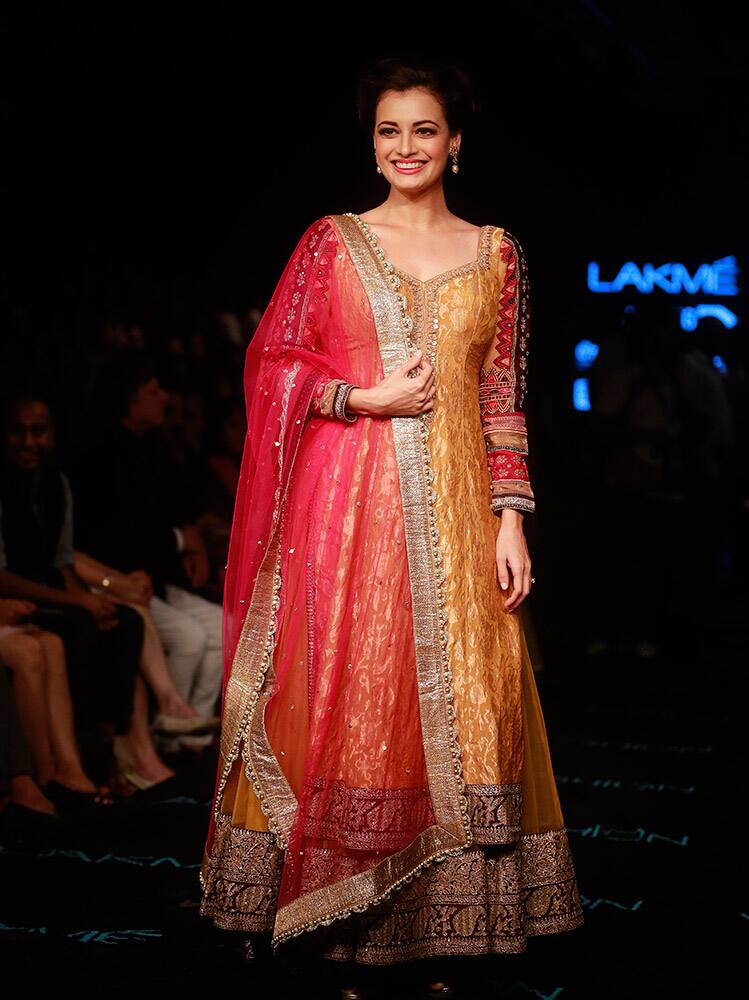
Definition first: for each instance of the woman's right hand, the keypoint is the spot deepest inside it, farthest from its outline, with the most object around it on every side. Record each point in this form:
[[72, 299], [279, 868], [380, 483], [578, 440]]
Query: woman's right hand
[[402, 395]]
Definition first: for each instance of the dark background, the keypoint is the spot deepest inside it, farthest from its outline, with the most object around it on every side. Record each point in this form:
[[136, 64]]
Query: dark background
[[162, 161], [162, 157]]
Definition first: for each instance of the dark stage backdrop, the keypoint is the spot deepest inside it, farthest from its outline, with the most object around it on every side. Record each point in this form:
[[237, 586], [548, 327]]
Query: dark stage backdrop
[[163, 159]]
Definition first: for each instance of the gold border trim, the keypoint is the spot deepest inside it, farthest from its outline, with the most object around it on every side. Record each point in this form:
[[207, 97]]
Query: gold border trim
[[252, 663], [459, 913]]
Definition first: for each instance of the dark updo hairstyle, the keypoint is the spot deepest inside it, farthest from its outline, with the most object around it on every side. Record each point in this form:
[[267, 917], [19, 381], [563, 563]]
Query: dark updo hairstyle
[[449, 83]]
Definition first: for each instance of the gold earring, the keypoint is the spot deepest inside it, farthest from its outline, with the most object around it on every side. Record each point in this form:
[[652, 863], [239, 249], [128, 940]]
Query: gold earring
[[454, 154], [378, 165]]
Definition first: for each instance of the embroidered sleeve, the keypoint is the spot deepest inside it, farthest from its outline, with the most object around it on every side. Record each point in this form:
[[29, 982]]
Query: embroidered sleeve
[[502, 387], [329, 400]]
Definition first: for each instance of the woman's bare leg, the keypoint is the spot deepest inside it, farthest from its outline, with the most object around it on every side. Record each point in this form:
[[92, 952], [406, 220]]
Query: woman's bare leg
[[25, 657], [145, 758], [68, 767], [154, 668], [23, 788]]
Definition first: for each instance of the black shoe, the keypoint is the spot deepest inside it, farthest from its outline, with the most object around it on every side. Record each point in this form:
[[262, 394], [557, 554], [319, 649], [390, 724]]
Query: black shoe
[[16, 818], [74, 802]]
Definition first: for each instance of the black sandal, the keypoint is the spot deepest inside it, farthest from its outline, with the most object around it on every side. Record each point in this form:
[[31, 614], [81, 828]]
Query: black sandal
[[74, 801]]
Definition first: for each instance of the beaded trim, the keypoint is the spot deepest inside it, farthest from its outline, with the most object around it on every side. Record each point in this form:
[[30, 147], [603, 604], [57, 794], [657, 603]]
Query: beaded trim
[[425, 290], [514, 502], [391, 273], [254, 694], [482, 260], [242, 732]]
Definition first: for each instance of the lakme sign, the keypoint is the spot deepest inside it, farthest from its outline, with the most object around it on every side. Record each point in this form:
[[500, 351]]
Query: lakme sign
[[720, 278]]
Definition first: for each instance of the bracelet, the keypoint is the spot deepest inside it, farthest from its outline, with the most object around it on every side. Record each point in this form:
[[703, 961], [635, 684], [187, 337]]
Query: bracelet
[[340, 399]]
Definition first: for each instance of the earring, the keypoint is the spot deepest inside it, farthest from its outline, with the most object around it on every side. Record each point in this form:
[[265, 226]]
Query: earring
[[454, 154], [378, 165]]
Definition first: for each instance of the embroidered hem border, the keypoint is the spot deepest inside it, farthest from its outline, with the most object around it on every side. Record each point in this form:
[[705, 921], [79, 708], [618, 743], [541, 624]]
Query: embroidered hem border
[[488, 899]]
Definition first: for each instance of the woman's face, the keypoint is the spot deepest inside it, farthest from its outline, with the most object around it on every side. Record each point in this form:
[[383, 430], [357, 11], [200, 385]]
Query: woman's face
[[410, 126]]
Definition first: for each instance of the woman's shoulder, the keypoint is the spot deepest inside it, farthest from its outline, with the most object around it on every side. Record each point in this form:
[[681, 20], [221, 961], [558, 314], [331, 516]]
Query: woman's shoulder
[[506, 244]]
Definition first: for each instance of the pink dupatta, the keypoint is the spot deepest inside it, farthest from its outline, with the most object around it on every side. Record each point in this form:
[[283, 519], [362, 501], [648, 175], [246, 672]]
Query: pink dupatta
[[363, 787]]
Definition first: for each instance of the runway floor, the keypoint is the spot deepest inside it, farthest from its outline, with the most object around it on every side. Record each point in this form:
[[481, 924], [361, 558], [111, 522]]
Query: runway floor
[[646, 754]]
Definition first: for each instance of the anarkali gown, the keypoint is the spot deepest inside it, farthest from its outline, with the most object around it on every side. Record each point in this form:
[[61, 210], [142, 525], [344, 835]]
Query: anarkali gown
[[385, 789]]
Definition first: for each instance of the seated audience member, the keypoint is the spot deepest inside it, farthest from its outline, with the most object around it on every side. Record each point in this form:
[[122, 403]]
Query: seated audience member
[[102, 639], [44, 709], [123, 491], [173, 713]]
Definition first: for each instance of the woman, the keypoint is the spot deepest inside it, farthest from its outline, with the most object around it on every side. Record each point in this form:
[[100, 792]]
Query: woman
[[379, 708]]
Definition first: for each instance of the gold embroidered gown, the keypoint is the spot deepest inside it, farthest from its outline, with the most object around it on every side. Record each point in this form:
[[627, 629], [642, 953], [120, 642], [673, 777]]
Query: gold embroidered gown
[[515, 878]]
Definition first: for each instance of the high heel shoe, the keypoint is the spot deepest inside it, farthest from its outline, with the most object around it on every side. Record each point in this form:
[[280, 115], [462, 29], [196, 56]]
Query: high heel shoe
[[126, 774], [176, 725], [72, 801]]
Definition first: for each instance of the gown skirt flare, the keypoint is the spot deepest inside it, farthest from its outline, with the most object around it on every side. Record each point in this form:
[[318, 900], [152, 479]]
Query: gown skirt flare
[[384, 790]]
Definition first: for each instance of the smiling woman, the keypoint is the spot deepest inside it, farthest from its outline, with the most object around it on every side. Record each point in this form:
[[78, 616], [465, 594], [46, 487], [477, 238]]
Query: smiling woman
[[385, 790]]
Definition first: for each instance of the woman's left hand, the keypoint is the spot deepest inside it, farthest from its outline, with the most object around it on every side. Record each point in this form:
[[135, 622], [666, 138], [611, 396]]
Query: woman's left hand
[[513, 559]]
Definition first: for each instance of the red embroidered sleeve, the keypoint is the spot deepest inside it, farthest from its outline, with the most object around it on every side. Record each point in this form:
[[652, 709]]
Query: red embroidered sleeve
[[502, 387]]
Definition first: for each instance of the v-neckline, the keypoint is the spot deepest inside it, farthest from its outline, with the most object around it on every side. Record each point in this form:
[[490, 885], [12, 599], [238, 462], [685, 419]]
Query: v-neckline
[[480, 260]]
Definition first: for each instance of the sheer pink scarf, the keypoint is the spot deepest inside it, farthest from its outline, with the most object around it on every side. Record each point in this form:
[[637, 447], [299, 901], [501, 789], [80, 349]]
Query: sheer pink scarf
[[344, 785]]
